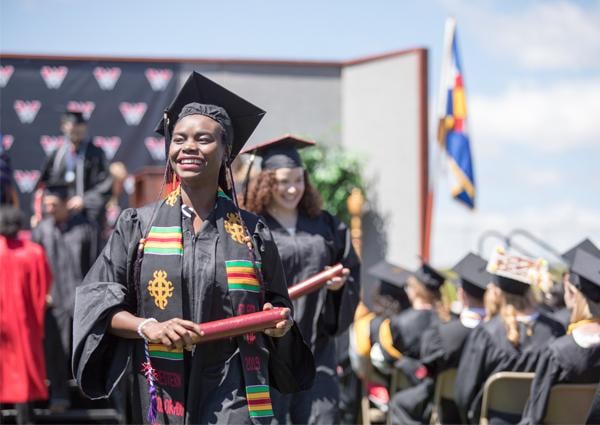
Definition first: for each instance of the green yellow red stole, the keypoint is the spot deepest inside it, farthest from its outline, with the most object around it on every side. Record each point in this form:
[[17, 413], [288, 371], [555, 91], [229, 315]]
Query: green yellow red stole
[[160, 291]]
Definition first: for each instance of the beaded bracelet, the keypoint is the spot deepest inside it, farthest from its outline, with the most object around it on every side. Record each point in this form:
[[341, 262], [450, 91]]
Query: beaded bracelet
[[144, 323]]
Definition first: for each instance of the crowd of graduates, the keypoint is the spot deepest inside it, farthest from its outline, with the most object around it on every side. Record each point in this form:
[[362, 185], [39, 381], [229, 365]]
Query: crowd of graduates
[[509, 317], [330, 357]]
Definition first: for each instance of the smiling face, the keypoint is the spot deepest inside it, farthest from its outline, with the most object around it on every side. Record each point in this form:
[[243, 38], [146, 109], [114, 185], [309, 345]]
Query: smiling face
[[289, 188], [196, 150]]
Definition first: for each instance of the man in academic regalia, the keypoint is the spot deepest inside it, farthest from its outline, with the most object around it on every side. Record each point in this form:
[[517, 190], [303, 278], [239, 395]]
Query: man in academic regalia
[[82, 166], [68, 239], [25, 279]]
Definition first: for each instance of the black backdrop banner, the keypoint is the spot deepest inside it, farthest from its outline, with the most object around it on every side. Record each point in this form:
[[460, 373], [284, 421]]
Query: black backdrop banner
[[122, 101]]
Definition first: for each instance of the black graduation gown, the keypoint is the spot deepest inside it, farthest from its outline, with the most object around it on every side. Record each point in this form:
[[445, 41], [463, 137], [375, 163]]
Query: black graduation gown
[[563, 362], [319, 242], [441, 348], [405, 332], [96, 179], [487, 351], [563, 316], [70, 251], [214, 381]]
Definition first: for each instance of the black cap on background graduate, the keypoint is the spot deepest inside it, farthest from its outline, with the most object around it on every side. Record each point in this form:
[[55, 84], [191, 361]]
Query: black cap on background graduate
[[586, 245], [281, 152], [75, 117], [472, 274], [514, 274], [201, 96], [585, 274], [61, 191], [392, 279], [429, 277]]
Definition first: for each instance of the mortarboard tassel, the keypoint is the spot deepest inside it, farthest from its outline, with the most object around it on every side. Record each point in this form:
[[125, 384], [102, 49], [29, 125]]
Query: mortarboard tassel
[[150, 374]]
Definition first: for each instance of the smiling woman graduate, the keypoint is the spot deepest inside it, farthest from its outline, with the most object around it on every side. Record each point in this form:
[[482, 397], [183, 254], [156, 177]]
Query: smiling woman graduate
[[193, 257], [309, 240]]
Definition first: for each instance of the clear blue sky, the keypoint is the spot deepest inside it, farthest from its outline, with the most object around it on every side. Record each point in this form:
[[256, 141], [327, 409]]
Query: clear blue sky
[[532, 72]]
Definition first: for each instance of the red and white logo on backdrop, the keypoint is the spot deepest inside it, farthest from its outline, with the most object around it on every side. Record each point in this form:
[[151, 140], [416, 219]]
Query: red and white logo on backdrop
[[133, 112], [27, 110], [54, 75], [5, 73], [110, 145], [159, 78], [51, 143], [26, 179], [107, 77], [156, 147], [86, 108], [7, 141]]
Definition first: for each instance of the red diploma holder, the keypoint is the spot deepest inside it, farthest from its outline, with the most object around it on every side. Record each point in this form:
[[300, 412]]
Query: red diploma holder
[[314, 283], [241, 325], [259, 321]]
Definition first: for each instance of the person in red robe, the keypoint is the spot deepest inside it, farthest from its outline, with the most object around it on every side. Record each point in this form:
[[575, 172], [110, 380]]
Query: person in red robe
[[25, 279]]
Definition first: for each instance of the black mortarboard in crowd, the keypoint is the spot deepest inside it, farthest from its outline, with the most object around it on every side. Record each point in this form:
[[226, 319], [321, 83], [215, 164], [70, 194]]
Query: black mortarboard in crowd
[[61, 191], [392, 279], [585, 274], [586, 245], [75, 117], [472, 274], [429, 277], [281, 152], [201, 96]]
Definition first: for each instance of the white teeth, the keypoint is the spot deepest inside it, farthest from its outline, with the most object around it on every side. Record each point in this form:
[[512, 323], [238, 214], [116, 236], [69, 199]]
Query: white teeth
[[190, 161]]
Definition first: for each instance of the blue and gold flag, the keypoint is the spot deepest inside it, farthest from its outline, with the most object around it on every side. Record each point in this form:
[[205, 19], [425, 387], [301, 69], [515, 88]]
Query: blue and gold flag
[[453, 135]]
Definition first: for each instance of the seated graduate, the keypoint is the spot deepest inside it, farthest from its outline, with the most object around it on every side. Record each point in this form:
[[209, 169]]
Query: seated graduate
[[442, 345], [309, 240], [190, 258], [512, 340], [575, 357], [389, 299], [399, 337], [563, 314]]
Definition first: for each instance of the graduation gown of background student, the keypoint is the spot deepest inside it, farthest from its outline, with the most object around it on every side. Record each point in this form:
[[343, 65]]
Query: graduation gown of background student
[[319, 242], [441, 348], [565, 361], [487, 351], [25, 279], [92, 174], [400, 345], [214, 385], [70, 248]]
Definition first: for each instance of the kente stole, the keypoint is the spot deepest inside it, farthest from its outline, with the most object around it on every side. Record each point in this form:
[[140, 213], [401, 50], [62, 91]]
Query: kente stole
[[161, 292]]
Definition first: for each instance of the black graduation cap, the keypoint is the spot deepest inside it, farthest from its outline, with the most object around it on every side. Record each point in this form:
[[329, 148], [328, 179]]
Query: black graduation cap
[[75, 117], [429, 277], [473, 276], [585, 274], [586, 244], [61, 191], [392, 278], [202, 96], [281, 152]]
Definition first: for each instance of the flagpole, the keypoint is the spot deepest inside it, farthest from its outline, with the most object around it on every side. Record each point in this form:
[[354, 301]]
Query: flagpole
[[449, 32]]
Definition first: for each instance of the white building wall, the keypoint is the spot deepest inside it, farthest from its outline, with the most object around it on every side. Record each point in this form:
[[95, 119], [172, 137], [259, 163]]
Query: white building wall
[[380, 110]]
